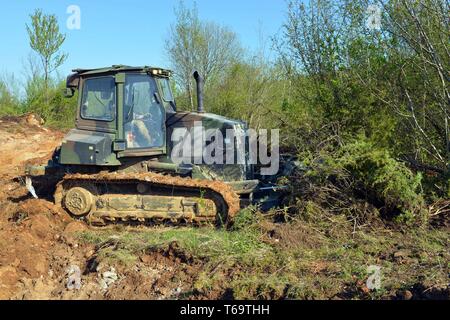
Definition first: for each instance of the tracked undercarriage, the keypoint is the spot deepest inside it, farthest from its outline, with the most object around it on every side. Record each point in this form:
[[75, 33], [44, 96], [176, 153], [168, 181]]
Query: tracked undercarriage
[[145, 198]]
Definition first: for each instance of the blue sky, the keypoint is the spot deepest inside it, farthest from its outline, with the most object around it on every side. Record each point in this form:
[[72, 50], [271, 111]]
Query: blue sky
[[129, 32]]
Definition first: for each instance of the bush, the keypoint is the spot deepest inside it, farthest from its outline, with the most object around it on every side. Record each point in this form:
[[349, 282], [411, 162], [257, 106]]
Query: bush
[[9, 103], [50, 103], [382, 177], [358, 180]]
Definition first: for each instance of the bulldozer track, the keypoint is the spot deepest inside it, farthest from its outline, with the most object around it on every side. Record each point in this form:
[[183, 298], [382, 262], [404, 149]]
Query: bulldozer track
[[220, 197]]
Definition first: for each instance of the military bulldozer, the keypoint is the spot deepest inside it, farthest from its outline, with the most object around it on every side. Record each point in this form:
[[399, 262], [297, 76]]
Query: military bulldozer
[[115, 166]]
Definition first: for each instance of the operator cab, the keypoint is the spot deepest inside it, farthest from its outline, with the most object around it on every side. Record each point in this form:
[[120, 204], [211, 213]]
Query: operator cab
[[122, 106]]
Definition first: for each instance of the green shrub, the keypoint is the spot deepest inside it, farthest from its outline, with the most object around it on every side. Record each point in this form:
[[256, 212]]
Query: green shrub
[[246, 218], [9, 102], [382, 177], [50, 103]]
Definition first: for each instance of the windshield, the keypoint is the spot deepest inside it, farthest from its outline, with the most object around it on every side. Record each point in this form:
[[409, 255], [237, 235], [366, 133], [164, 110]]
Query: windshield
[[144, 116]]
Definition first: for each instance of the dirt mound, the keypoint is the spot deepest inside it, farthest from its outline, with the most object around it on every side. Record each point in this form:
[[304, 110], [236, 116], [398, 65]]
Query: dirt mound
[[27, 235], [161, 274], [28, 227], [22, 141], [26, 119]]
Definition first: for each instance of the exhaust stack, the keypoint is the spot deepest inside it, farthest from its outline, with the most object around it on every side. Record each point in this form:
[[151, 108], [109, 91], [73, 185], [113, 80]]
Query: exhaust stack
[[198, 78]]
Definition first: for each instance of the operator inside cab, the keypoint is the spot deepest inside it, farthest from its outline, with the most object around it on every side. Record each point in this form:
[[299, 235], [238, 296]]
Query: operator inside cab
[[143, 113]]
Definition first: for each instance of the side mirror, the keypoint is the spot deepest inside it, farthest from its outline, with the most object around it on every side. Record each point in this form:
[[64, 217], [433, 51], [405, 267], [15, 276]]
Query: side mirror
[[68, 92]]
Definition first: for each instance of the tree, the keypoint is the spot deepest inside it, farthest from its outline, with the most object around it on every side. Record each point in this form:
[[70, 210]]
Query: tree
[[46, 40], [193, 44], [384, 85], [252, 91], [422, 27]]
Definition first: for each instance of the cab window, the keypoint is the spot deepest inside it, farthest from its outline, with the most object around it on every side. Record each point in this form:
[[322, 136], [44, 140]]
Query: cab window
[[143, 114], [166, 91], [99, 99]]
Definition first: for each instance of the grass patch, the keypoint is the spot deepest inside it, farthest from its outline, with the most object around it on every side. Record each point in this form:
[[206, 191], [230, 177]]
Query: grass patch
[[240, 244], [328, 260]]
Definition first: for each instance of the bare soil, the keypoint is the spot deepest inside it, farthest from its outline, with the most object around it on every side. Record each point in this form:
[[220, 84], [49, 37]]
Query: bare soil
[[38, 242]]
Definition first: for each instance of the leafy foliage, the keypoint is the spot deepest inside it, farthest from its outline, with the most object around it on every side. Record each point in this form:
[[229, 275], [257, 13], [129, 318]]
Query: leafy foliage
[[53, 107], [9, 101], [43, 94], [46, 40], [390, 181]]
